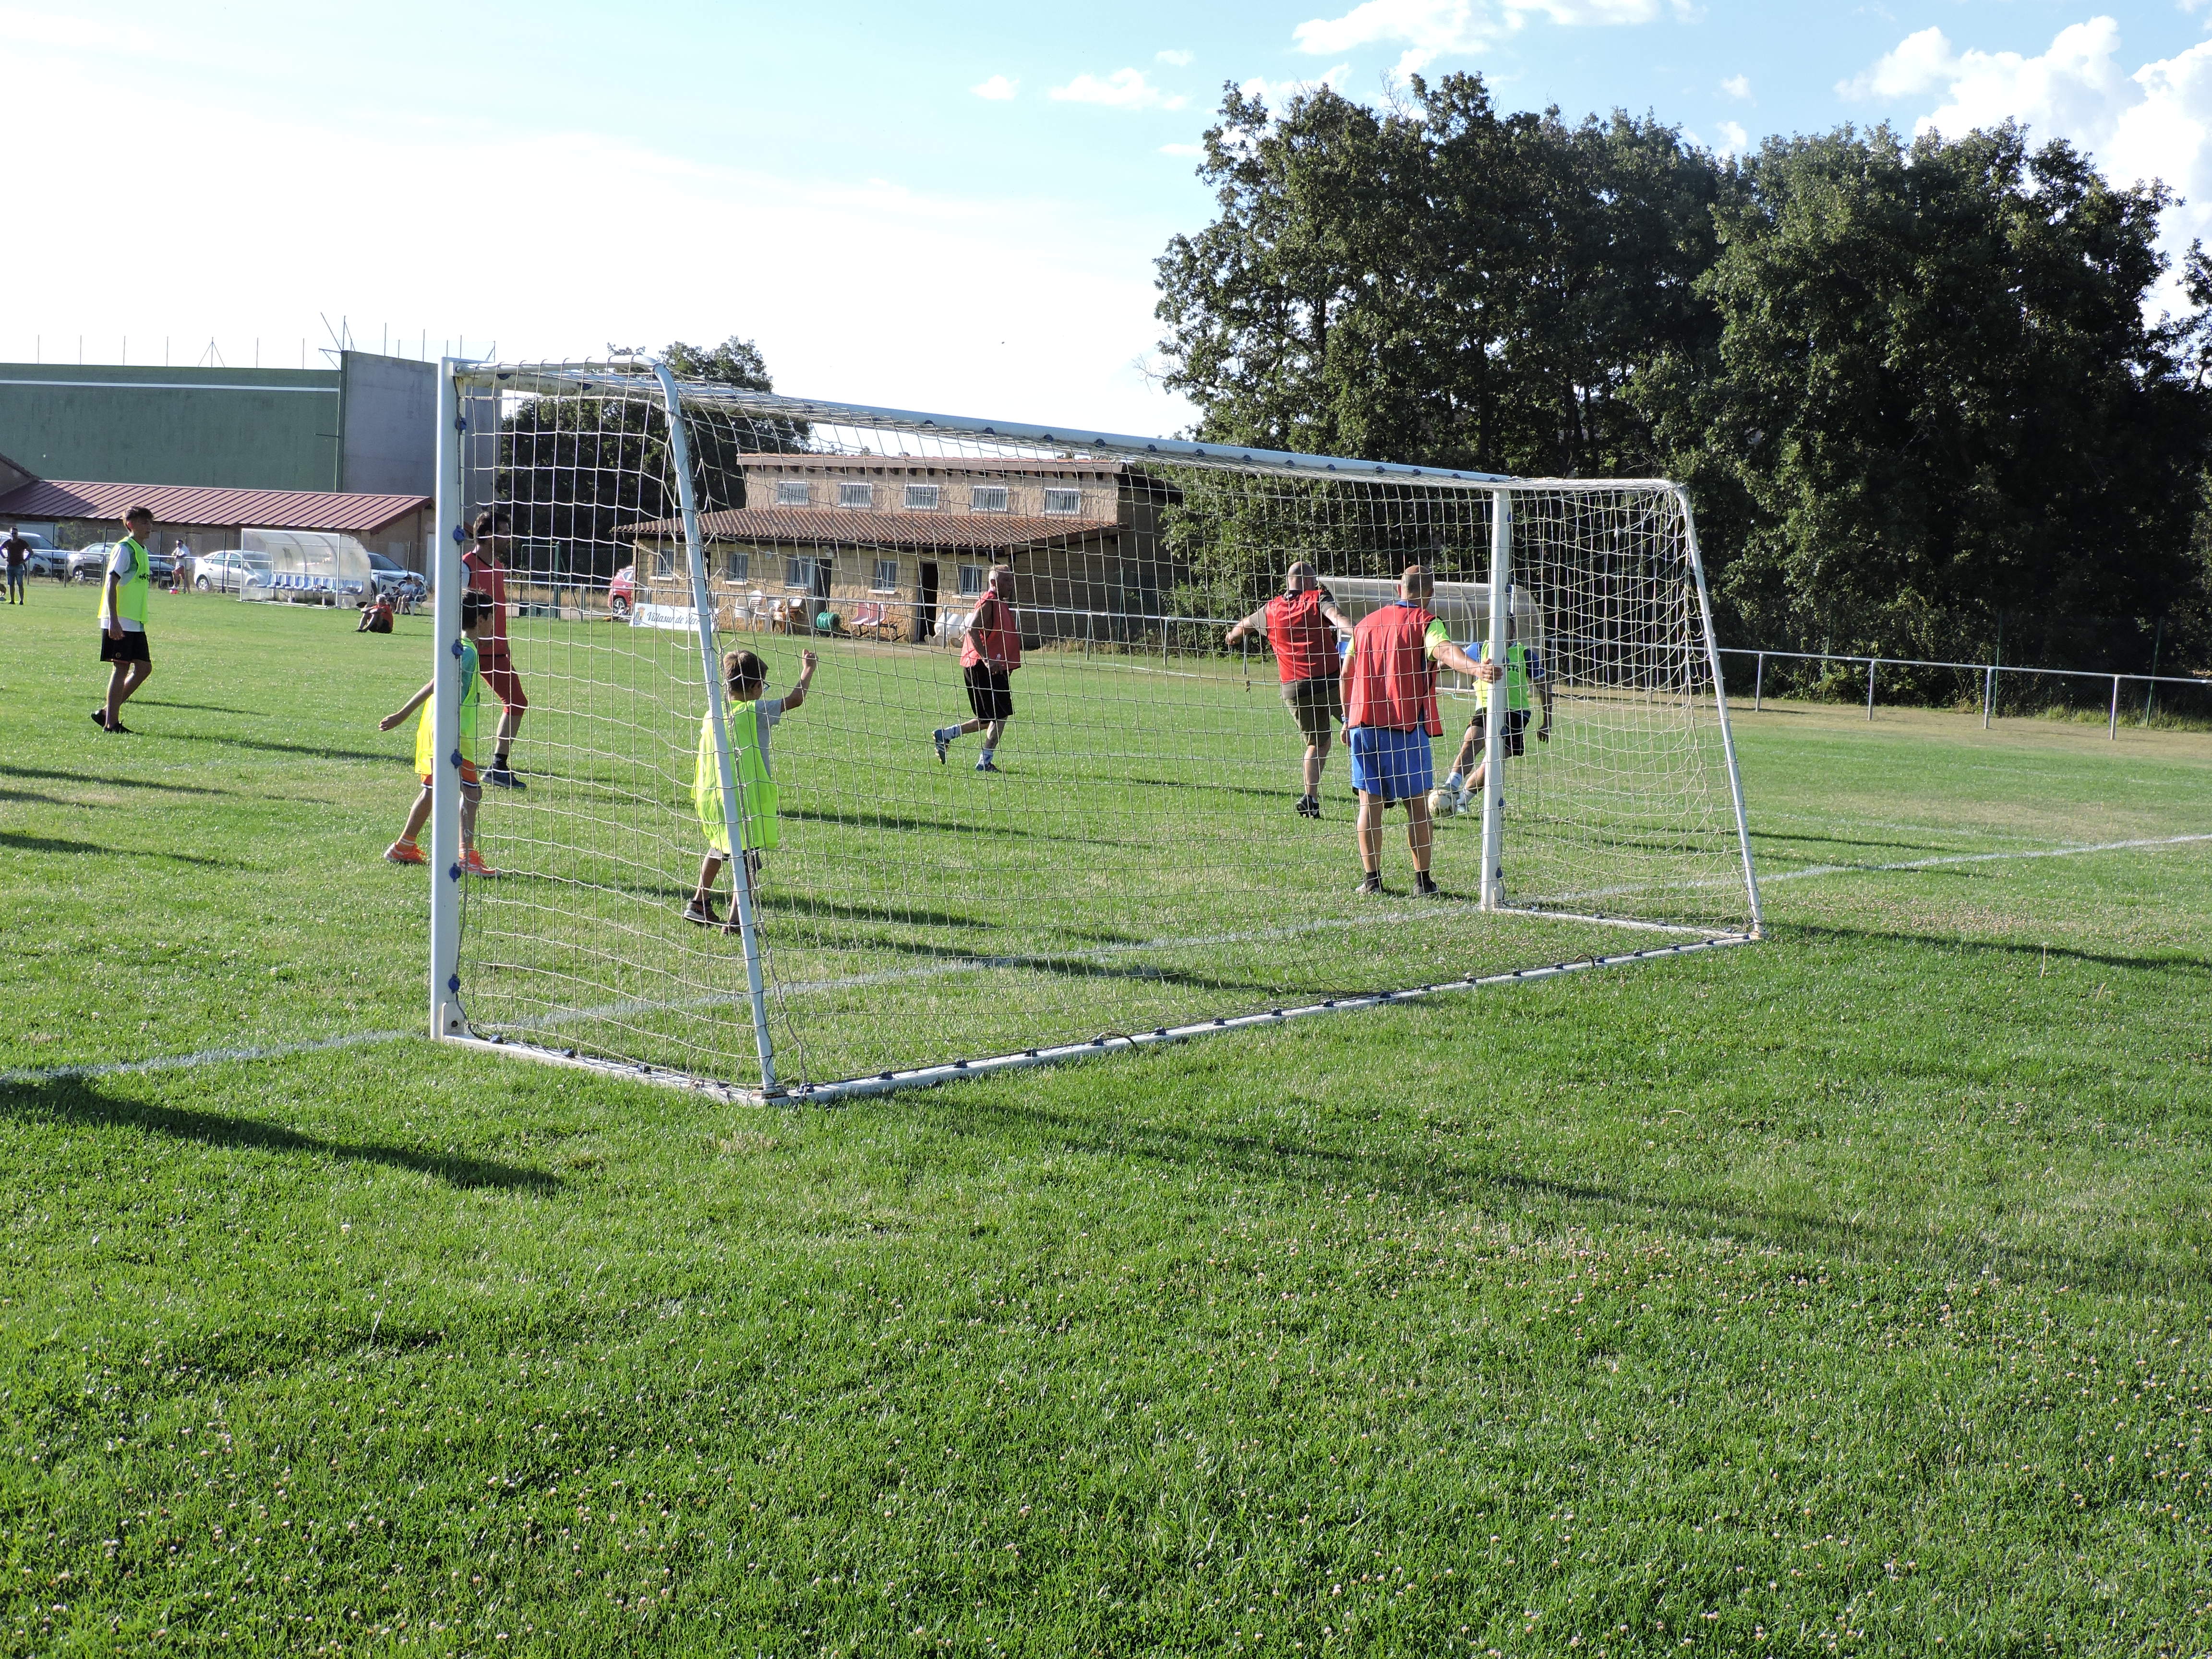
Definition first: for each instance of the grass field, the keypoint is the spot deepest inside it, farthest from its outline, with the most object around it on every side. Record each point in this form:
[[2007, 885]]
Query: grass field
[[1848, 1293]]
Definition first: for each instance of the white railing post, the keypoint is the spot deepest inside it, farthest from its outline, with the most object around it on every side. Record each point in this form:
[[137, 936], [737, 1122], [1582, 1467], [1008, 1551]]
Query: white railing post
[[1759, 685], [2113, 730], [1989, 693], [710, 657], [1872, 662], [1720, 712], [448, 574]]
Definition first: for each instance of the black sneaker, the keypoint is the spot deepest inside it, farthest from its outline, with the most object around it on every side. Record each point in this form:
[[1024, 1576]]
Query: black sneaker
[[1425, 884], [1309, 808], [1371, 883], [503, 777], [702, 915], [943, 743]]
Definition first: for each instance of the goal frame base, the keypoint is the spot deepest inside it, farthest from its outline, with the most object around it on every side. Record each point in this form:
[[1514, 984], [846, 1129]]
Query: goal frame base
[[930, 1076]]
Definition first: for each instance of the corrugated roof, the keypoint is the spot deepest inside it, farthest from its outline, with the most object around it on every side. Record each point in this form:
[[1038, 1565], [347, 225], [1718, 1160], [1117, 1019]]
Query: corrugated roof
[[175, 504], [804, 526]]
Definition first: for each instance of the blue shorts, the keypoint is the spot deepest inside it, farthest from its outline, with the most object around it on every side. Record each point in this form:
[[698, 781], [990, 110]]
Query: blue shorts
[[1393, 765]]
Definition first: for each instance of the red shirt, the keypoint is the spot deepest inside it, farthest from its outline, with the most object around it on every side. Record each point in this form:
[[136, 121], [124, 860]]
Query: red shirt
[[489, 577], [1302, 638], [1393, 683], [992, 633]]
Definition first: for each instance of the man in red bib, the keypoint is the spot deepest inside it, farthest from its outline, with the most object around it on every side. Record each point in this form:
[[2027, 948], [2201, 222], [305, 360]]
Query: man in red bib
[[990, 651], [485, 565], [1300, 624], [1390, 714]]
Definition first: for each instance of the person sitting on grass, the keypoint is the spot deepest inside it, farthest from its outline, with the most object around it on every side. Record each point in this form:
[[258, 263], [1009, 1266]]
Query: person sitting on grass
[[749, 717], [375, 615], [1524, 670], [476, 610]]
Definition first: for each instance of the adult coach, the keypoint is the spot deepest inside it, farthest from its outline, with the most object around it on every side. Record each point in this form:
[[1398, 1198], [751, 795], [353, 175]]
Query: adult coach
[[123, 619], [990, 651], [486, 564], [1300, 624], [1390, 704]]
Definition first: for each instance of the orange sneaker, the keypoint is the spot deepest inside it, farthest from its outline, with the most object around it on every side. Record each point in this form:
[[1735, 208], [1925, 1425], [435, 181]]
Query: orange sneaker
[[473, 862], [404, 852]]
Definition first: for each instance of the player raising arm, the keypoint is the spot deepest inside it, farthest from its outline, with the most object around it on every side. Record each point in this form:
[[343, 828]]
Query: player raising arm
[[751, 717], [1300, 625], [475, 610]]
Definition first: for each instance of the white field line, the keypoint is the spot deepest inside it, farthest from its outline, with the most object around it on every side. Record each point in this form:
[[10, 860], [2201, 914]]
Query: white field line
[[192, 1061]]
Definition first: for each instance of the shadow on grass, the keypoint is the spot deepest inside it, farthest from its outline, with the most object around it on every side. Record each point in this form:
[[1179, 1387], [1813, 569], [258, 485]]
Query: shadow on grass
[[77, 1101], [1823, 933], [319, 751], [198, 708], [101, 781], [889, 913], [1441, 1182], [23, 843], [1933, 848]]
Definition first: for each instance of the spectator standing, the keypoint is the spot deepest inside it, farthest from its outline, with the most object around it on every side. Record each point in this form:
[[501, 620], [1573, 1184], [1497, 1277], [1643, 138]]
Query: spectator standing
[[123, 643], [19, 553], [1301, 625], [486, 564], [1390, 714]]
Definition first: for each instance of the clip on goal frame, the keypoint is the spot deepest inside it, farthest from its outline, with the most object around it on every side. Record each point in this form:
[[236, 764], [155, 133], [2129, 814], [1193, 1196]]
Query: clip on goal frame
[[1632, 653]]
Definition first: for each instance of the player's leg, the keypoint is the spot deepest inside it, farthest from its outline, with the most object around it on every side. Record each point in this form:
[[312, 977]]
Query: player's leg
[[407, 849], [1420, 839], [978, 715], [1370, 829], [1456, 783], [702, 908], [471, 800], [506, 685], [997, 708]]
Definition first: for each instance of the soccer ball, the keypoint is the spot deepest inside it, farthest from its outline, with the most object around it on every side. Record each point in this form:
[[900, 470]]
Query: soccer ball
[[1443, 802]]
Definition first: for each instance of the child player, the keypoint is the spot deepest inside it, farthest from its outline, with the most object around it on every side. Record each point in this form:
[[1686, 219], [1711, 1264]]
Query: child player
[[1524, 668], [476, 609], [751, 717]]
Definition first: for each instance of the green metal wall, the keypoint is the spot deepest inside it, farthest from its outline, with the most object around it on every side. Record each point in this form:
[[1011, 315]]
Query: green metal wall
[[254, 429]]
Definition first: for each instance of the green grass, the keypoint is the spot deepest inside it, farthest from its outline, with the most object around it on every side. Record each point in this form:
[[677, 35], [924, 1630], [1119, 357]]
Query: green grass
[[1838, 1295]]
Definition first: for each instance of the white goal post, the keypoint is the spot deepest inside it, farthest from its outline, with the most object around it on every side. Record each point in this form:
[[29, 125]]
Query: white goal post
[[1135, 865]]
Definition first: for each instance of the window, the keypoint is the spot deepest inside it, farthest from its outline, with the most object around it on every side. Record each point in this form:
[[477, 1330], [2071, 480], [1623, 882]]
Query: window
[[664, 562], [737, 564], [920, 497], [1063, 503], [860, 496], [799, 573], [886, 576], [971, 575], [791, 492], [986, 498]]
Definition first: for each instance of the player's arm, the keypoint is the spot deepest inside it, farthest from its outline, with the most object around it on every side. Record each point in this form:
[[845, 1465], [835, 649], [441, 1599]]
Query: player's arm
[[114, 609], [1442, 650], [407, 708], [1543, 681], [1337, 619], [1254, 623], [797, 694]]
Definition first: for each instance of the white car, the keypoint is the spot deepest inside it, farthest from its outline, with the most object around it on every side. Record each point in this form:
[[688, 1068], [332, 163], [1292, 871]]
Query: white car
[[229, 572], [45, 559]]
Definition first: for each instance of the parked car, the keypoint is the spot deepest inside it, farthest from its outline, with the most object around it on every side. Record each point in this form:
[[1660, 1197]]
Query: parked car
[[229, 572], [622, 592], [394, 581], [45, 559], [89, 564]]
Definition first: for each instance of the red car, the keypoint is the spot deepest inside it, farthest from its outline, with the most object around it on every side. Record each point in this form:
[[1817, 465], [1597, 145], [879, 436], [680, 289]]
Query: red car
[[622, 592]]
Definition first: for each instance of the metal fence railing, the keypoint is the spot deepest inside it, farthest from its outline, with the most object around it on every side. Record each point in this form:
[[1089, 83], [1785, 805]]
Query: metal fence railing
[[1990, 674]]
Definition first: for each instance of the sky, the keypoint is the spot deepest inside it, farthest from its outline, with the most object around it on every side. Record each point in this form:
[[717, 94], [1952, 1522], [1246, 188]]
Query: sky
[[952, 208]]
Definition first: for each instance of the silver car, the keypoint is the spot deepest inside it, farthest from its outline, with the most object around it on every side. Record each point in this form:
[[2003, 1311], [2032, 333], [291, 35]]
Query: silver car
[[230, 571]]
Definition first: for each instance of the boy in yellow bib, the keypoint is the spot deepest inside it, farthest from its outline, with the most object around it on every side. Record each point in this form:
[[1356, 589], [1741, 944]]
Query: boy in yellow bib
[[751, 717], [475, 610]]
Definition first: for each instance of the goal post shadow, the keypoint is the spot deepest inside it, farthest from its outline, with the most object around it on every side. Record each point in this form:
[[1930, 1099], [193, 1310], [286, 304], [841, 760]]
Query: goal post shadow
[[918, 923]]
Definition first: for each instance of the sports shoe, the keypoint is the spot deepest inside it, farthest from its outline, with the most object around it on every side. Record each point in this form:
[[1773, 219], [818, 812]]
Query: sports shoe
[[985, 766], [700, 916], [943, 744], [100, 719], [503, 777], [1309, 808], [1370, 883], [403, 852], [473, 862], [1425, 884]]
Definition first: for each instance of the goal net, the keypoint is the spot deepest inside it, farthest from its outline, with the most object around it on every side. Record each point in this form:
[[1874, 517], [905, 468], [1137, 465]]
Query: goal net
[[1137, 865]]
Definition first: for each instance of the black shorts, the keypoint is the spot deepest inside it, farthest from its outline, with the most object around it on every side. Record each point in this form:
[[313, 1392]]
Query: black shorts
[[1516, 727], [988, 694], [131, 648]]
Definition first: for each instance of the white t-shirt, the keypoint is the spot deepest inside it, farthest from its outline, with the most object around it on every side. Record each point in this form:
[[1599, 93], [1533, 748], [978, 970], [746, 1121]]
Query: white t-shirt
[[120, 564], [767, 711]]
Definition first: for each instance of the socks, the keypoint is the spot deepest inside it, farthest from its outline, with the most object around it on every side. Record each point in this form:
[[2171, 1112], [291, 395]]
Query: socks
[[1452, 783], [986, 760], [945, 733]]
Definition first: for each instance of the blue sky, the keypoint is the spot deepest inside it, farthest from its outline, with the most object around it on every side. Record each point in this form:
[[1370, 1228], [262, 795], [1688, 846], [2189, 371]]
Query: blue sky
[[939, 206]]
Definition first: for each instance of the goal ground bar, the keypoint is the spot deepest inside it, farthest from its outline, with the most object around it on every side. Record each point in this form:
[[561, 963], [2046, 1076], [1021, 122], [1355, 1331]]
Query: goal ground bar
[[926, 1077]]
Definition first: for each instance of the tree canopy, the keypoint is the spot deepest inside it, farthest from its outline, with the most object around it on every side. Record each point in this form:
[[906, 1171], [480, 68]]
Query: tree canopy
[[1914, 388]]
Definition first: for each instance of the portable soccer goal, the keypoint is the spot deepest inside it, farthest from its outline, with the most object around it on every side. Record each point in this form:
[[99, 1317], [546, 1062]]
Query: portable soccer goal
[[1136, 868]]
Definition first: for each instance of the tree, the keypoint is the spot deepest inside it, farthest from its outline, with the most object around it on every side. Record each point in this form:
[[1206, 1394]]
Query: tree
[[1936, 391]]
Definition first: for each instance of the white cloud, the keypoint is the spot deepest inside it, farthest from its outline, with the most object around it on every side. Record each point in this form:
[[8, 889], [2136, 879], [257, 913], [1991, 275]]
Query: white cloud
[[39, 28], [1737, 85], [1429, 29], [1276, 94], [1733, 139], [1179, 59], [1125, 89], [2154, 123], [998, 89]]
